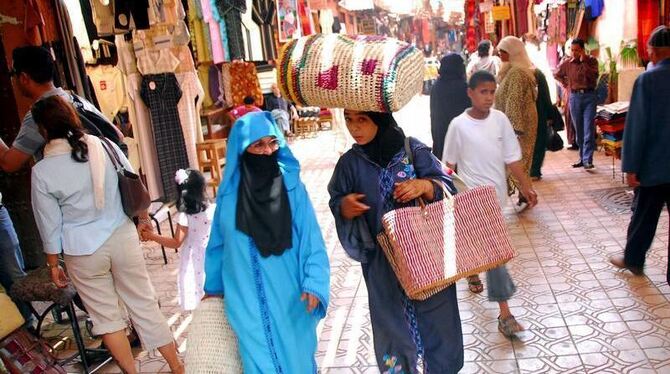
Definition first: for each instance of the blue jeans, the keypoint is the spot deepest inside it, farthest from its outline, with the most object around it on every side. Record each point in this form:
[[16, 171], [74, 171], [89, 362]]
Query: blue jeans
[[500, 286], [11, 259], [583, 113]]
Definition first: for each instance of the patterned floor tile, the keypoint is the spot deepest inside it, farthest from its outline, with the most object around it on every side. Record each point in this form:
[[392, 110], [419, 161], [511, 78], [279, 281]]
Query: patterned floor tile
[[642, 308], [487, 347], [651, 333], [659, 358], [620, 362], [606, 337], [490, 367], [543, 343], [595, 311], [552, 364]]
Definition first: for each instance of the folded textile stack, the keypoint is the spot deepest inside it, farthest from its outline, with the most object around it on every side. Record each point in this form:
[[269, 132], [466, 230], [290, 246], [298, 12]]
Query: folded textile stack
[[610, 120]]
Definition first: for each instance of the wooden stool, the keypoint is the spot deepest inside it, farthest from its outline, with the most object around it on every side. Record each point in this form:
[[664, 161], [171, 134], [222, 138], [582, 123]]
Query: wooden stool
[[210, 116], [212, 158], [306, 126]]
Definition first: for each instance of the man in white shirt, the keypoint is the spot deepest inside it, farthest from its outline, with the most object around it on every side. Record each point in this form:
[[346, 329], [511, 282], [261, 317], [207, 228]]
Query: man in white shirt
[[480, 144]]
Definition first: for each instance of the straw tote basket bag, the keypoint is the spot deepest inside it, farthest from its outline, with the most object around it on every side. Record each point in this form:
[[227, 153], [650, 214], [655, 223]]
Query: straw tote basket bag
[[212, 346], [364, 72], [431, 246]]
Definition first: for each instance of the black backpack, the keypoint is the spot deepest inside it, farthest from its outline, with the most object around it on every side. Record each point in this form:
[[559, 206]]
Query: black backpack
[[98, 125]]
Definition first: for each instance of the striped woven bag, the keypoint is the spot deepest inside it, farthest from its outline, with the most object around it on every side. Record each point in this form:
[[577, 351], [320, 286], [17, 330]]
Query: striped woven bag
[[356, 72], [431, 246]]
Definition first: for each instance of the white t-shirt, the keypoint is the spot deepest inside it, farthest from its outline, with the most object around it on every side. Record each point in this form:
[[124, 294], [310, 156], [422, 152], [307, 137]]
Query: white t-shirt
[[481, 149]]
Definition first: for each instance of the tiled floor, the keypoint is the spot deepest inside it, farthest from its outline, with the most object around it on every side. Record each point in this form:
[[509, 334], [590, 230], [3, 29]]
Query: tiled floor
[[581, 315]]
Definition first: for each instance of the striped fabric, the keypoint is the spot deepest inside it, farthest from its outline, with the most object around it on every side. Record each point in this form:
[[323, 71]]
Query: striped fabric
[[430, 248]]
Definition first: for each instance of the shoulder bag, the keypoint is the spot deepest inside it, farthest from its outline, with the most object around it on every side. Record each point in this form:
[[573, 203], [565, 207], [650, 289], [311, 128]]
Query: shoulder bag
[[134, 196]]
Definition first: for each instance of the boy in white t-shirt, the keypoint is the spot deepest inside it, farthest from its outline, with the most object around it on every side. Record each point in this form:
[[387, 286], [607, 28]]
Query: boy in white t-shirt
[[481, 145]]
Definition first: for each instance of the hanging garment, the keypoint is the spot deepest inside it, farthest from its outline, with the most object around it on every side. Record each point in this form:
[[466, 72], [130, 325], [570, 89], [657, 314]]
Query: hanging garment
[[326, 21], [185, 57], [230, 13], [87, 14], [521, 13], [123, 9], [245, 77], [139, 116], [203, 76], [226, 86], [71, 52], [161, 94], [109, 89], [126, 55], [648, 15], [156, 61], [189, 111], [218, 32], [263, 14], [103, 17], [596, 7], [214, 77], [195, 22], [305, 15], [253, 40]]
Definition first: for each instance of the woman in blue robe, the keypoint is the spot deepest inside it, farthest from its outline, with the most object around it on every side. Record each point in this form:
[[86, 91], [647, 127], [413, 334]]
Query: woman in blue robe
[[372, 178], [266, 253]]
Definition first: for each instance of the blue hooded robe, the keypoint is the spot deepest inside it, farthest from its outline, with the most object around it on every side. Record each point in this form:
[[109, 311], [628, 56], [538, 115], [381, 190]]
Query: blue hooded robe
[[262, 295]]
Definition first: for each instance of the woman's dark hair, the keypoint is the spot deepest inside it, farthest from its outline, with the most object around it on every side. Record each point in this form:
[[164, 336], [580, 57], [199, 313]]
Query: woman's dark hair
[[484, 48], [60, 120], [480, 77], [192, 199]]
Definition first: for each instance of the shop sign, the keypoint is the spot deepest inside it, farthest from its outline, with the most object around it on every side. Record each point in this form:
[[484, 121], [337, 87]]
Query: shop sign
[[501, 13]]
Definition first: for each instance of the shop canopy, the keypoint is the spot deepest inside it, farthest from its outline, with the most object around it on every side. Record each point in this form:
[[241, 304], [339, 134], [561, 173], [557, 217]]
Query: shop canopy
[[354, 5]]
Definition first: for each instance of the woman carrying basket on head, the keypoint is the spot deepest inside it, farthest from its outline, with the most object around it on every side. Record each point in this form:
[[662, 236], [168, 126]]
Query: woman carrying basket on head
[[374, 177]]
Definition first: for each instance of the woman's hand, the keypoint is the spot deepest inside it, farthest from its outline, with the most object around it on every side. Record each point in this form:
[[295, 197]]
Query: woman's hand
[[411, 189], [59, 277], [352, 207], [312, 301]]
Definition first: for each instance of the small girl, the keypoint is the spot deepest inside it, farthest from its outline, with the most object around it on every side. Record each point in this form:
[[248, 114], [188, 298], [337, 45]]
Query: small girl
[[193, 227]]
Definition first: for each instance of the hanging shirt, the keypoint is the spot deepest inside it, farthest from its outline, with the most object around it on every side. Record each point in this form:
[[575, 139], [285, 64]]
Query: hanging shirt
[[109, 88]]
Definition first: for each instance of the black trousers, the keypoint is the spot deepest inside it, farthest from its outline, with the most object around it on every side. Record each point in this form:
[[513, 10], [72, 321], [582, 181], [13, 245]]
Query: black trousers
[[643, 223]]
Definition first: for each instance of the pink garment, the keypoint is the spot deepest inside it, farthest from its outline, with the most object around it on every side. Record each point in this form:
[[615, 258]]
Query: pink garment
[[218, 55], [242, 110]]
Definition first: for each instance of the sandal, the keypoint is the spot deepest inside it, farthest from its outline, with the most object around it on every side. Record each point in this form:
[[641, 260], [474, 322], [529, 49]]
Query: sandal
[[475, 284], [508, 326]]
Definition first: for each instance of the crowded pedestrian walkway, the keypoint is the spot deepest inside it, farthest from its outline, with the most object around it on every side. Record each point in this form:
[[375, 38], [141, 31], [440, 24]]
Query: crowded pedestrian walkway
[[580, 313]]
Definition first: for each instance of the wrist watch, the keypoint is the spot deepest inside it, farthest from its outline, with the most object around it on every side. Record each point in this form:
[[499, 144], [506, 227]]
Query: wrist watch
[[50, 266]]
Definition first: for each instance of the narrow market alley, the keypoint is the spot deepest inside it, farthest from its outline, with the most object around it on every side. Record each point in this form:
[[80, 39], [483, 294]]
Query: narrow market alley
[[580, 314]]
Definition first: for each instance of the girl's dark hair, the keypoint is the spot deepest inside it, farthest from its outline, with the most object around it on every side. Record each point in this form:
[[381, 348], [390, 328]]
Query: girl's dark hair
[[60, 120], [192, 199]]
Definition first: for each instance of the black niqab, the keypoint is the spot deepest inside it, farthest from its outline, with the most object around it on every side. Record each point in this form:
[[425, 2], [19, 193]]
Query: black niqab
[[388, 141], [263, 209]]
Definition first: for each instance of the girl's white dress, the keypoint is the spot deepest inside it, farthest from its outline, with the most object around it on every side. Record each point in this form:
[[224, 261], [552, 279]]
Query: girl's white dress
[[192, 257]]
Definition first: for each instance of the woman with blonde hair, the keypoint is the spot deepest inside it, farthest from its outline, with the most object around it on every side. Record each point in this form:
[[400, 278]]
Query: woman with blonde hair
[[516, 97]]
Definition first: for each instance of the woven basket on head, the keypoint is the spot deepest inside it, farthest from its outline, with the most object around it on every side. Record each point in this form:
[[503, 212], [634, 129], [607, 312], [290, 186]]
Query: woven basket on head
[[212, 345], [366, 73]]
